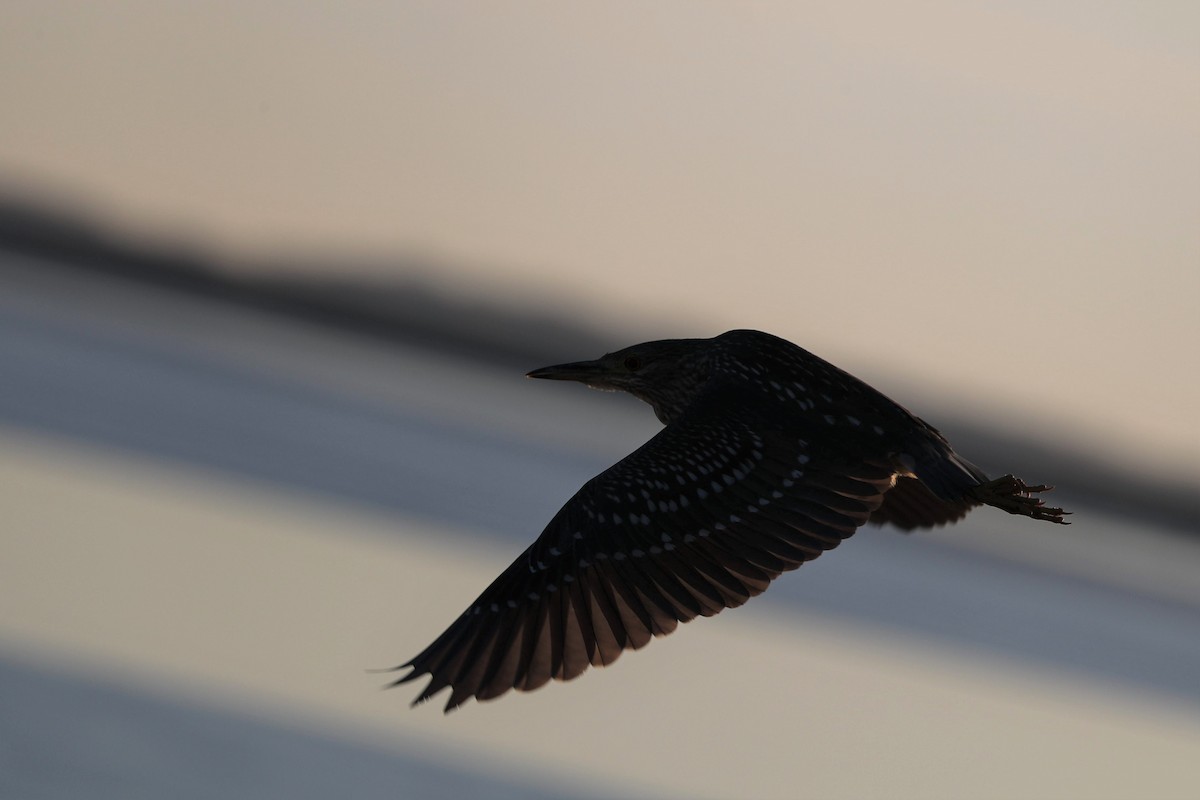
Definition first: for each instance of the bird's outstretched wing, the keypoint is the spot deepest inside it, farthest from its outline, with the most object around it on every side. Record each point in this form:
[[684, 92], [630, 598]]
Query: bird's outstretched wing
[[701, 518]]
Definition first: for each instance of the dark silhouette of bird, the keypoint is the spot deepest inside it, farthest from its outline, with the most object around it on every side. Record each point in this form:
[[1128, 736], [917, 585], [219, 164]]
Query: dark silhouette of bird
[[770, 456]]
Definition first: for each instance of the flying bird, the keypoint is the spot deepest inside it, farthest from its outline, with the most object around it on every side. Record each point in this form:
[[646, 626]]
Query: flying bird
[[769, 457]]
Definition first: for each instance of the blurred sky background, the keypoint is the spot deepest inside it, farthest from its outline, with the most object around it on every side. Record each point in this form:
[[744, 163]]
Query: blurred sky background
[[999, 198], [218, 518]]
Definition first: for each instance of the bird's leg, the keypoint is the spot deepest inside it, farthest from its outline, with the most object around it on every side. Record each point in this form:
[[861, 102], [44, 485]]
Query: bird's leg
[[1011, 494]]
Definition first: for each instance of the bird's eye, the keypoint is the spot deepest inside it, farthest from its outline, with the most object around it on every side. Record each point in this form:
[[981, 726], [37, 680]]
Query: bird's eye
[[633, 363]]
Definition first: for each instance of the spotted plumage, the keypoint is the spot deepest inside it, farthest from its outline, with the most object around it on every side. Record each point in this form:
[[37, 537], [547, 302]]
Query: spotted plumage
[[770, 456]]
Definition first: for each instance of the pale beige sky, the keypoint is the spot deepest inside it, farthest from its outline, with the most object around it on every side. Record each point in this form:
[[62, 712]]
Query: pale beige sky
[[999, 198]]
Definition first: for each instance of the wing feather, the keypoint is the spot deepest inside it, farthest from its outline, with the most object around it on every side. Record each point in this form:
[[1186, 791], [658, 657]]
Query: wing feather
[[701, 518]]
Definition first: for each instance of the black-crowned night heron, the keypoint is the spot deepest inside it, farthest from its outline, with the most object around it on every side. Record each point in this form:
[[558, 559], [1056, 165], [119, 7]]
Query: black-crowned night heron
[[770, 456]]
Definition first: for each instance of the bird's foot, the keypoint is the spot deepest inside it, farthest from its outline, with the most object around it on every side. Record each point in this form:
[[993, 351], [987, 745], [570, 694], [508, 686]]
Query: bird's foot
[[1011, 494]]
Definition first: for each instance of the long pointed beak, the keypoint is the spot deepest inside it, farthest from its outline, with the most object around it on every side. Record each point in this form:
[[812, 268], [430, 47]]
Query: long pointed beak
[[583, 371]]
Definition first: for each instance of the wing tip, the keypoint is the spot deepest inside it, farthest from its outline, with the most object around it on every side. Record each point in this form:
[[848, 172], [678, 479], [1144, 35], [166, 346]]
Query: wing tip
[[433, 688]]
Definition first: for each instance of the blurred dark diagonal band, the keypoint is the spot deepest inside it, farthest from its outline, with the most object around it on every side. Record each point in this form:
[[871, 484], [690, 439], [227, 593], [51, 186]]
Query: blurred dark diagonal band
[[417, 312]]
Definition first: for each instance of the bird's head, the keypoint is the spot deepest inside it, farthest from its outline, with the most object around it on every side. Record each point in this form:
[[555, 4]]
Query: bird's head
[[667, 374]]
